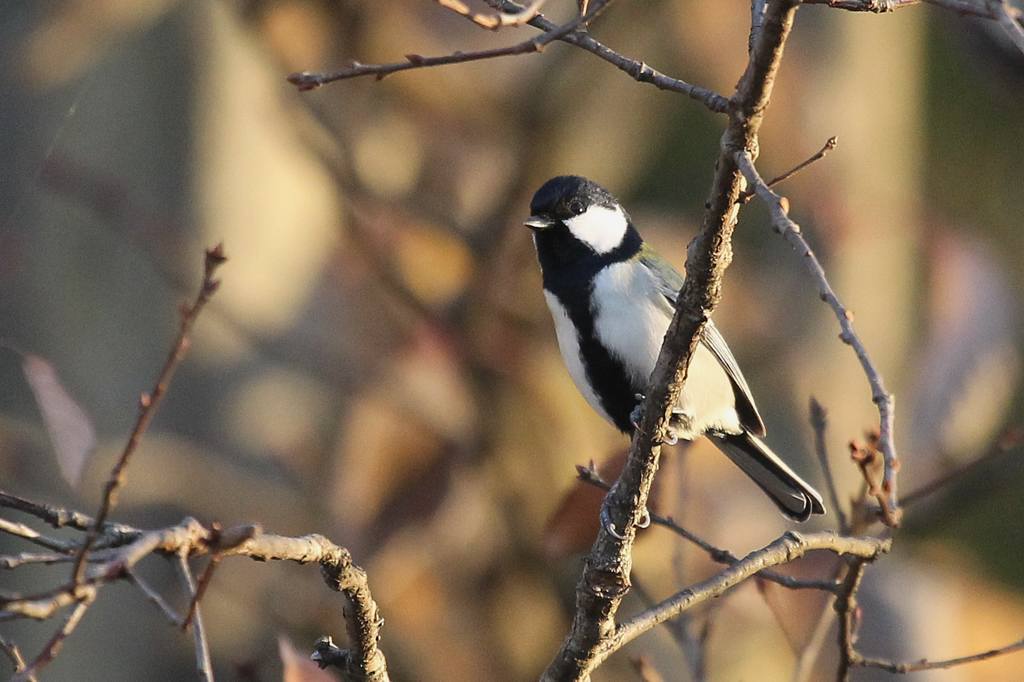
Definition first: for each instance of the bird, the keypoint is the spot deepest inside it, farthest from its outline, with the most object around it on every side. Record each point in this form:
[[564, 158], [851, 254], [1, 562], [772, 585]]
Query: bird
[[612, 297]]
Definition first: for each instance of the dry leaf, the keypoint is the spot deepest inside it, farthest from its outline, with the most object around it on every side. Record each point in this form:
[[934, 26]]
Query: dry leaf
[[297, 666], [70, 429]]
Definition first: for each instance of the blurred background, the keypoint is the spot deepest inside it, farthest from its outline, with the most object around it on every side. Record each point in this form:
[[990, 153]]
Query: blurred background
[[379, 365]]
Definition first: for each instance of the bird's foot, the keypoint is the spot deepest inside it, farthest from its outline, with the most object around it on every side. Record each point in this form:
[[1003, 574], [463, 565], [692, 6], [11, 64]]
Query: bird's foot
[[637, 415], [609, 525], [645, 519], [680, 421]]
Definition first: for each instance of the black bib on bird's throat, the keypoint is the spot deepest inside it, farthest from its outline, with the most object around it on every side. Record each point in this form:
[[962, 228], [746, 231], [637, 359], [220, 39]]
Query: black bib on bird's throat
[[569, 267]]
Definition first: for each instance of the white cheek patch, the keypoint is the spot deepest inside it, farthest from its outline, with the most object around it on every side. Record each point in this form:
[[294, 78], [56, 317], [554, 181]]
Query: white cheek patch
[[599, 227]]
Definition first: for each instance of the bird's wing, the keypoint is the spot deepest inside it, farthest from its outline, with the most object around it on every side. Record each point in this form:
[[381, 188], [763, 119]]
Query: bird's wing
[[669, 282]]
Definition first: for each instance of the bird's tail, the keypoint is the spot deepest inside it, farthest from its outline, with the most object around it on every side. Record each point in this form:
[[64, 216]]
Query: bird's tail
[[789, 492]]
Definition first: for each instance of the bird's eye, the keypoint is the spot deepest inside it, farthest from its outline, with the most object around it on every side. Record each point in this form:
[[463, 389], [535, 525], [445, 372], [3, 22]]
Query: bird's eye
[[576, 207]]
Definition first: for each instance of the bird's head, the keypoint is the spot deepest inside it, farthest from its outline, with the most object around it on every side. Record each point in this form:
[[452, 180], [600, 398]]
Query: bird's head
[[569, 212]]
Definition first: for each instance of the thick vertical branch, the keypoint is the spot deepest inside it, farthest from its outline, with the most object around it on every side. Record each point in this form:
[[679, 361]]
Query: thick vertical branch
[[605, 579]]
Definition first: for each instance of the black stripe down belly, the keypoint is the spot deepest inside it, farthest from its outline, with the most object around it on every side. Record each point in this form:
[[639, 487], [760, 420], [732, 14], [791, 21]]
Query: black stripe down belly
[[606, 373]]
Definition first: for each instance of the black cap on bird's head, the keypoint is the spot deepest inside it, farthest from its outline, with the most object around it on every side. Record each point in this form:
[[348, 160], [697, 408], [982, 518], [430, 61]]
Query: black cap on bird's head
[[564, 197], [574, 218]]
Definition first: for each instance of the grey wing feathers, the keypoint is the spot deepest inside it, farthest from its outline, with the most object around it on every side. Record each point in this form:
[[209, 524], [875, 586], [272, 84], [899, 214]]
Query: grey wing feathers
[[745, 407], [669, 283]]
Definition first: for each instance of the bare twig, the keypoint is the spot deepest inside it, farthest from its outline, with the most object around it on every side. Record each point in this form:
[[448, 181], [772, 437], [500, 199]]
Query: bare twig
[[148, 403], [43, 605], [638, 70], [925, 664], [846, 612], [306, 80], [493, 22], [153, 596], [57, 517], [14, 653], [204, 666], [29, 558], [1009, 441], [589, 475], [56, 642], [26, 533], [819, 423], [829, 145], [884, 400], [204, 582], [986, 9], [849, 657]]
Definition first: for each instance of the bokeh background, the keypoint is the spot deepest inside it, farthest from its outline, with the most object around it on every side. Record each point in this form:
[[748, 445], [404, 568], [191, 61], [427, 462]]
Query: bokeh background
[[379, 365]]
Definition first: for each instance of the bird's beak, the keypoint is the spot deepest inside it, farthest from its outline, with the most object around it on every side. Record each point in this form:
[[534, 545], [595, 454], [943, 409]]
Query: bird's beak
[[538, 222]]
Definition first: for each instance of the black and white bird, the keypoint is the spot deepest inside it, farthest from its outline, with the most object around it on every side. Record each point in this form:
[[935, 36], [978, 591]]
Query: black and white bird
[[612, 298]]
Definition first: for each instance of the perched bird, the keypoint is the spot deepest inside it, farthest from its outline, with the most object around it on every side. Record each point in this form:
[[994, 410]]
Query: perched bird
[[612, 298]]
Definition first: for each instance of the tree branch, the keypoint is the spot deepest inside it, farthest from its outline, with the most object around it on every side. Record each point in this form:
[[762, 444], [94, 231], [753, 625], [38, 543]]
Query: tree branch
[[20, 530], [636, 69], [306, 80], [14, 653], [365, 662], [154, 597], [883, 400], [781, 551], [58, 517], [925, 664], [56, 642], [985, 9]]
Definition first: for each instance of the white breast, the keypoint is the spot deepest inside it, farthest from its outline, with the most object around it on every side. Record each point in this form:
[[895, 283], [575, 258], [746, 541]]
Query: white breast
[[631, 319], [628, 320]]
